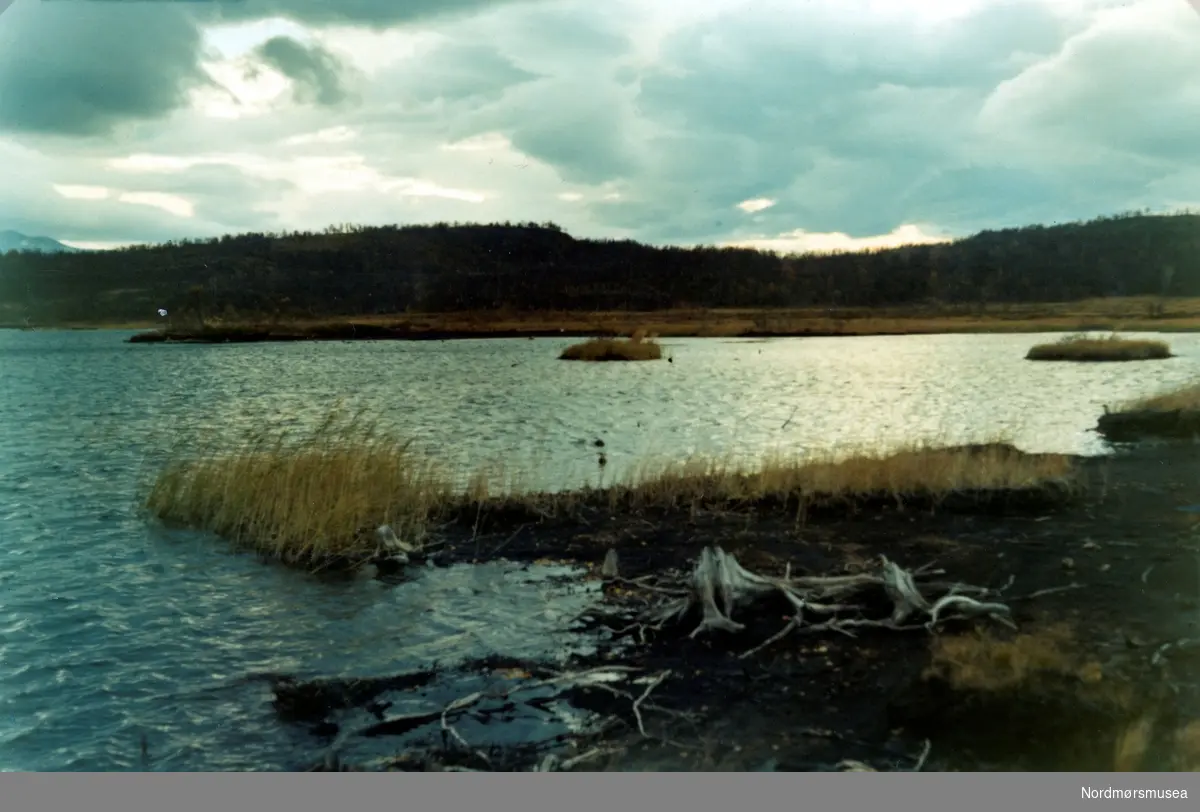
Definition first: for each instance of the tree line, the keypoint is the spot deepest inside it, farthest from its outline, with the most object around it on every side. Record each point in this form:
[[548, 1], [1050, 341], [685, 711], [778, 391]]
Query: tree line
[[356, 270]]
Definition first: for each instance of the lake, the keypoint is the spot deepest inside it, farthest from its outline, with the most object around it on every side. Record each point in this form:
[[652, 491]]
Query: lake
[[113, 629]]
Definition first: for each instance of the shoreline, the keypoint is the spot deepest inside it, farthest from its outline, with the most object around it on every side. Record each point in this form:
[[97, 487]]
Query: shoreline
[[1113, 315], [1093, 666], [653, 325], [1100, 591]]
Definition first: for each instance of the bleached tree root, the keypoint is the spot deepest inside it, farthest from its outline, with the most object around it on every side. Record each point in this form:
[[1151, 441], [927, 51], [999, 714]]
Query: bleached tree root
[[719, 586]]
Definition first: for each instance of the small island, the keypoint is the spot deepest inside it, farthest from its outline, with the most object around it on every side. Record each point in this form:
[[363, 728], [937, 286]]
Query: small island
[[635, 348], [1084, 348]]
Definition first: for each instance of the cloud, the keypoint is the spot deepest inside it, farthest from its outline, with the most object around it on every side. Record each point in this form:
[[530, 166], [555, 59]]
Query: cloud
[[756, 205], [824, 123], [80, 69], [804, 242], [452, 72], [318, 77], [85, 200], [819, 107], [85, 69], [370, 13], [1090, 99]]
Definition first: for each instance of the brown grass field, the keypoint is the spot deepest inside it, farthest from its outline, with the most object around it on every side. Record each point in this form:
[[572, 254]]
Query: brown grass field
[[1084, 348], [1108, 314]]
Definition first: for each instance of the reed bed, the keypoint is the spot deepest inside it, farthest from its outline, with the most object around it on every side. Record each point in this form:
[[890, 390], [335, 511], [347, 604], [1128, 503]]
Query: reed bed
[[917, 471], [1081, 347], [320, 495], [308, 496]]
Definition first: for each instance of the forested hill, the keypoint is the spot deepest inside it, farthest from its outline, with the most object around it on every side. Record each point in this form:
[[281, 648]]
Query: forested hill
[[353, 271]]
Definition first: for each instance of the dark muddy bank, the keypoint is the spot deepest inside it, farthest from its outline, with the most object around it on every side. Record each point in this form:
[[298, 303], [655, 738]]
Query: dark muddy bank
[[1092, 674], [1143, 424]]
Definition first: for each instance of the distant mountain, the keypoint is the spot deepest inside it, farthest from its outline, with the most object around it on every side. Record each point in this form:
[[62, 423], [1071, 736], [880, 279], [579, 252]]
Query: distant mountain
[[16, 241]]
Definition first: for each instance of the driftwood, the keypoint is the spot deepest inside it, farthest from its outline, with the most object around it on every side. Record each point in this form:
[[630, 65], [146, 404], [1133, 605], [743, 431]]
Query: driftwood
[[607, 678], [717, 588], [391, 546], [719, 585]]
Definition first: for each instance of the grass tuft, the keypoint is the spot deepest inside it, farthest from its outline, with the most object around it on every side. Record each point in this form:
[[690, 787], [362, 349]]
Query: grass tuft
[[1082, 347], [304, 498], [982, 662]]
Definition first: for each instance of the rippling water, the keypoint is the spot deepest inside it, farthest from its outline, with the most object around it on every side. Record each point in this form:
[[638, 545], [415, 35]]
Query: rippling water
[[111, 628]]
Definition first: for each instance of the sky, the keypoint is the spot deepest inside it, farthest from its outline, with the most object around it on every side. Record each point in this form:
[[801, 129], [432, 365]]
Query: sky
[[792, 125]]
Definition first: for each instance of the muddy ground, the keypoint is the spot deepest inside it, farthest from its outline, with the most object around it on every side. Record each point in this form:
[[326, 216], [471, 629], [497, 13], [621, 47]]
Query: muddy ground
[[1101, 589]]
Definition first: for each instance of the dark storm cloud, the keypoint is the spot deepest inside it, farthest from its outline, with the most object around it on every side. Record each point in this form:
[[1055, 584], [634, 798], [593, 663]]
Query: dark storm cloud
[[78, 69], [318, 77], [83, 68]]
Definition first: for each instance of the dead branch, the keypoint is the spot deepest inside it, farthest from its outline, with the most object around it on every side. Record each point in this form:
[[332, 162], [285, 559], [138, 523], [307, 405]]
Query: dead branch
[[924, 755], [595, 752], [770, 641], [719, 586], [1160, 654], [460, 704], [637, 703], [1041, 593]]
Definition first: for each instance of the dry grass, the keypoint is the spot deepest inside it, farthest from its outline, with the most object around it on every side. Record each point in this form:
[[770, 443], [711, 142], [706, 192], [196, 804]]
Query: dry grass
[[1129, 749], [1186, 399], [306, 498], [635, 348], [1124, 313], [1134, 742], [981, 662], [1082, 347], [918, 471], [1187, 747], [320, 495]]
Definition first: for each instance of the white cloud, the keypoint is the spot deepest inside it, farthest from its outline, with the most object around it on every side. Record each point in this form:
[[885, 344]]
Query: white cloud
[[329, 135], [172, 204], [800, 241], [484, 142], [143, 162], [96, 245], [81, 192], [756, 204]]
